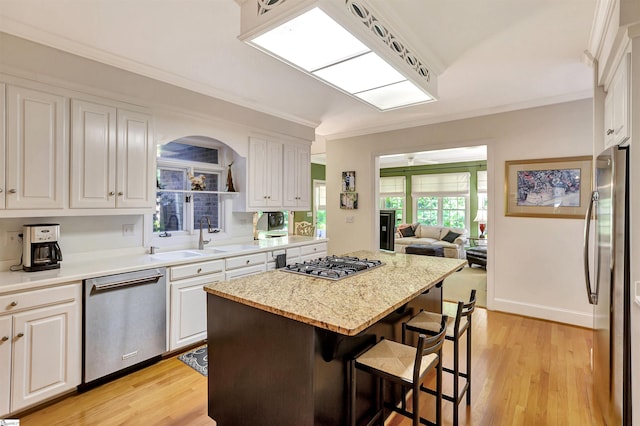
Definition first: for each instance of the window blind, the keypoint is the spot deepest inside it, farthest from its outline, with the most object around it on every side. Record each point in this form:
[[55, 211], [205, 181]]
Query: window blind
[[482, 182], [443, 184], [321, 197], [392, 186]]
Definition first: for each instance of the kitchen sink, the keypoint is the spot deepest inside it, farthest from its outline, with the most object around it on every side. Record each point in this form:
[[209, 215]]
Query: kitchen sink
[[177, 255]]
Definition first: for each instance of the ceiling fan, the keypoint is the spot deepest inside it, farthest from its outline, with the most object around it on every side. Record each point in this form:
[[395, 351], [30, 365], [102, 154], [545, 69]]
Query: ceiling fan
[[413, 161]]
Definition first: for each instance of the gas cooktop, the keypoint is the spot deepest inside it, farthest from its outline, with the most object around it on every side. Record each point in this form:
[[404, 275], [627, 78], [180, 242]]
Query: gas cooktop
[[333, 267]]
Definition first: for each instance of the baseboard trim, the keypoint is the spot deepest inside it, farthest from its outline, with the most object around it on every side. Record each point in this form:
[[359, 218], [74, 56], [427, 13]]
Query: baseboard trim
[[580, 319]]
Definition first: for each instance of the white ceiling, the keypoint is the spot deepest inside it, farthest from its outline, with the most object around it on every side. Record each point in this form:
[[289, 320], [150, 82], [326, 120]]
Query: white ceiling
[[490, 55]]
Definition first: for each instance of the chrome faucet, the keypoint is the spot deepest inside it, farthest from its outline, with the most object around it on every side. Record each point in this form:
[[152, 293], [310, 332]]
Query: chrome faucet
[[202, 241]]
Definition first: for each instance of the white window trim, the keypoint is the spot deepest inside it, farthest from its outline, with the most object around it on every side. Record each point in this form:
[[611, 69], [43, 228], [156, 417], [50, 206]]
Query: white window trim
[[189, 237]]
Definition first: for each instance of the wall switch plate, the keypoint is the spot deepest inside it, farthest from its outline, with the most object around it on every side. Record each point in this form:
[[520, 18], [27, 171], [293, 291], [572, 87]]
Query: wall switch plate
[[348, 219], [127, 230]]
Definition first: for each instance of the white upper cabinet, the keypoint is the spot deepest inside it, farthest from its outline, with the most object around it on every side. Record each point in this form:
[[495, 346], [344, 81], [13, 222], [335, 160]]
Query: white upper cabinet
[[2, 146], [93, 155], [616, 106], [297, 177], [112, 157], [35, 149], [135, 165], [278, 177], [264, 189]]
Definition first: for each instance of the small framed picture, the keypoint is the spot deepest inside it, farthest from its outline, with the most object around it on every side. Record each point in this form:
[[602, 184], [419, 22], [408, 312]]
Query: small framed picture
[[348, 181], [349, 200]]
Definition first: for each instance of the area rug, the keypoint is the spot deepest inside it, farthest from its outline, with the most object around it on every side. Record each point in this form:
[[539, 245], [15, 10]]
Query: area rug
[[458, 285], [197, 359]]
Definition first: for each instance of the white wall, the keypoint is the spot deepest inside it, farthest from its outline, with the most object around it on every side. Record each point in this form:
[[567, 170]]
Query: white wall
[[534, 264]]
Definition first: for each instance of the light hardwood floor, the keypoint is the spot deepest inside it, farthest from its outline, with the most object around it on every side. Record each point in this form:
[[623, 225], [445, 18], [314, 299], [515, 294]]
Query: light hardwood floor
[[525, 372]]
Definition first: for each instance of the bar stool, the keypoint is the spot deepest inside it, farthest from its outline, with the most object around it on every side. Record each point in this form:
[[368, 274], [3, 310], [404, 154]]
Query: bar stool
[[404, 365], [428, 323]]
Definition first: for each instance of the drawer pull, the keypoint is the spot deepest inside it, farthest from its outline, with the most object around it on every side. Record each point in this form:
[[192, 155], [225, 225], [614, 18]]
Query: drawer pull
[[14, 303], [199, 270], [20, 335], [4, 338], [248, 261]]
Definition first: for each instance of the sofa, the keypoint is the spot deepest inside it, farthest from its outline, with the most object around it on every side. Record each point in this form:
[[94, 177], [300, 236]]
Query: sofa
[[452, 240]]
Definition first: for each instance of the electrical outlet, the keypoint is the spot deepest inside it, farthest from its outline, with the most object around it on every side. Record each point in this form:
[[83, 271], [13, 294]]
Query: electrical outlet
[[127, 230], [12, 240]]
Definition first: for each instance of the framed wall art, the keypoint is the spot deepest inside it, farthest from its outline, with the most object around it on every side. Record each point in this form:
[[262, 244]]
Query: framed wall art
[[349, 200], [551, 187], [348, 181]]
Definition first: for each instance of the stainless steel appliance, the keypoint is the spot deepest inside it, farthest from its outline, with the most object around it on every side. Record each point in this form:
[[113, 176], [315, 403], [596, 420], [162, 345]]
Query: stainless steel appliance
[[333, 267], [40, 249], [124, 322], [610, 292], [271, 221]]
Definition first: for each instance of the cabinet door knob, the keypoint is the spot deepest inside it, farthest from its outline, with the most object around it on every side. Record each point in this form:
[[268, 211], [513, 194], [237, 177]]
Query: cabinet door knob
[[120, 193], [12, 191], [4, 338], [610, 132], [199, 270], [111, 193], [248, 261], [0, 190], [14, 303], [20, 335]]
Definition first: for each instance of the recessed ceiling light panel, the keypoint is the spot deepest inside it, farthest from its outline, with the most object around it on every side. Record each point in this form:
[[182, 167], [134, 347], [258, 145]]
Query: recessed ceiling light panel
[[311, 41]]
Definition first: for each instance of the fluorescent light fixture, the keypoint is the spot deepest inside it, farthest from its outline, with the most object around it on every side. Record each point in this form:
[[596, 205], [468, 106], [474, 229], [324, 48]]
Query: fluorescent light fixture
[[311, 41], [361, 73], [316, 44], [396, 95]]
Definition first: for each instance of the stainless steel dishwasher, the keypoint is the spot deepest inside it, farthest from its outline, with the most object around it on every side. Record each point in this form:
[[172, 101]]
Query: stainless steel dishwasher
[[124, 323]]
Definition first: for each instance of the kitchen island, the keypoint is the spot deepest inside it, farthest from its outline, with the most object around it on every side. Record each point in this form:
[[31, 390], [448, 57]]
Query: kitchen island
[[279, 342]]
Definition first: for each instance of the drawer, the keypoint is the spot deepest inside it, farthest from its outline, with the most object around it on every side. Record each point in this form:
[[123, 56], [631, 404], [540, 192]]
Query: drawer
[[313, 249], [248, 260], [36, 298], [196, 269], [243, 272]]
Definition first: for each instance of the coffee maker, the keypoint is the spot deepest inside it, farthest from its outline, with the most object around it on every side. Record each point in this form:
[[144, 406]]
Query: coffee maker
[[40, 249]]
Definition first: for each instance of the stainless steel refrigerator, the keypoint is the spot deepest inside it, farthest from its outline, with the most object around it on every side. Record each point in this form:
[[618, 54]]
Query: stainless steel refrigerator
[[608, 285]]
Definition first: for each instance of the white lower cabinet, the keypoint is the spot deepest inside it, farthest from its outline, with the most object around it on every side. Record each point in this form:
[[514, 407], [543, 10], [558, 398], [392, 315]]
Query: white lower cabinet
[[188, 301], [5, 365], [306, 252], [313, 251], [40, 352], [242, 266]]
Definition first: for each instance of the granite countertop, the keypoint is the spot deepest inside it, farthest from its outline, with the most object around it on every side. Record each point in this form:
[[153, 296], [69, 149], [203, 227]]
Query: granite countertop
[[96, 264], [346, 306]]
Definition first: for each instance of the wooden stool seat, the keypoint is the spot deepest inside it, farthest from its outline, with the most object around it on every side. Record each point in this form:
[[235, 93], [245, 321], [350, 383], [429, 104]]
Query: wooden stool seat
[[395, 359]]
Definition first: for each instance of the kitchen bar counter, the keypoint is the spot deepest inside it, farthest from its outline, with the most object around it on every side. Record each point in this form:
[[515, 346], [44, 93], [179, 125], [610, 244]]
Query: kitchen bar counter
[[279, 343], [346, 306]]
